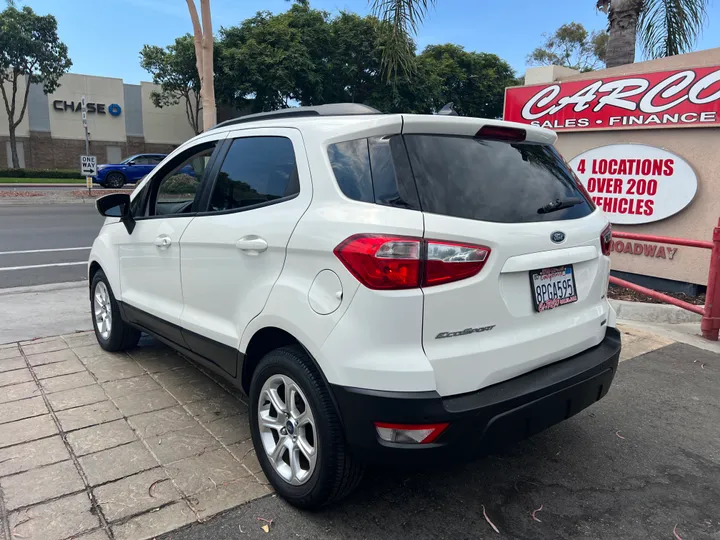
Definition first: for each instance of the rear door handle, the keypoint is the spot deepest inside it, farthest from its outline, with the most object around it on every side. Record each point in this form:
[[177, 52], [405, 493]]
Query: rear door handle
[[163, 241], [252, 245]]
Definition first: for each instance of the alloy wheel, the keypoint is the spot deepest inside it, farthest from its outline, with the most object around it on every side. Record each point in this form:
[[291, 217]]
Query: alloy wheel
[[287, 429], [102, 310]]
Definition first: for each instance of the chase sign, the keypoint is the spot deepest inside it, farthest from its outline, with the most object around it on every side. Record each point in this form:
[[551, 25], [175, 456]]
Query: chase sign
[[97, 108]]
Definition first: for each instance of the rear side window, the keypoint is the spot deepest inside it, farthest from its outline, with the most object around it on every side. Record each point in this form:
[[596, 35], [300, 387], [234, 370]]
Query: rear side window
[[256, 170], [374, 170], [491, 180]]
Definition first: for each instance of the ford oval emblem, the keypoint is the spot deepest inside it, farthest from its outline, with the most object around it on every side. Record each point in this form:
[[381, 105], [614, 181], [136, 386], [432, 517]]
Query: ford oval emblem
[[557, 237]]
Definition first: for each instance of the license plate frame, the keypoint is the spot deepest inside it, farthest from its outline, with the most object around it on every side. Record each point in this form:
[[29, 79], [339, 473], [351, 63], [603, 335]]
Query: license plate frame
[[556, 302]]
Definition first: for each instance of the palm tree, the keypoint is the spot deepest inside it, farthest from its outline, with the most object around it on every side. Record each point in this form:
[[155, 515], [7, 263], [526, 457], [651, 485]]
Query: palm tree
[[204, 44], [663, 27]]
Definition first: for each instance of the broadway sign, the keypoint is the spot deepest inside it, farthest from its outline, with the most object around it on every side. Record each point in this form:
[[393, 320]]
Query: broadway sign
[[685, 98]]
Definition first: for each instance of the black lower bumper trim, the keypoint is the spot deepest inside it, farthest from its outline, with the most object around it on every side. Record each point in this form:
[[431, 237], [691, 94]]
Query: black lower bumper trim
[[480, 421]]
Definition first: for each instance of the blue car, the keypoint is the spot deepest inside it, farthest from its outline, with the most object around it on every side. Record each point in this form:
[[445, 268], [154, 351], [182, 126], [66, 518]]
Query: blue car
[[129, 171]]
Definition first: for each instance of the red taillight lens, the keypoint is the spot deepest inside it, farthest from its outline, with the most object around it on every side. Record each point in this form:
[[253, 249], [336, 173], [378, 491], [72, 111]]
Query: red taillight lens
[[382, 262], [446, 262], [401, 262], [606, 239], [502, 133]]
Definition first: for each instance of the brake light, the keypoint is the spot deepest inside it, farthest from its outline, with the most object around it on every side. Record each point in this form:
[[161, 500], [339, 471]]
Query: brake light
[[606, 239], [399, 262], [502, 133], [382, 262], [409, 433]]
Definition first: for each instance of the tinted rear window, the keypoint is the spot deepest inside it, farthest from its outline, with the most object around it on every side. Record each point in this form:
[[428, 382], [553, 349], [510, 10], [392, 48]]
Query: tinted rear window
[[492, 180]]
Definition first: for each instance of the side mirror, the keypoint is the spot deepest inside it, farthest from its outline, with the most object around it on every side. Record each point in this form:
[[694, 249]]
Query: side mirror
[[131, 163], [117, 205]]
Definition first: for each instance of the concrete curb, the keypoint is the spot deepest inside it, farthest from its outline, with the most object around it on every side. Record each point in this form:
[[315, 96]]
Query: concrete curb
[[44, 288], [653, 313], [28, 201]]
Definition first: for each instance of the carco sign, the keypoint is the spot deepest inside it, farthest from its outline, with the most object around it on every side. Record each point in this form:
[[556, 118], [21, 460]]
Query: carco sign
[[689, 97], [635, 183]]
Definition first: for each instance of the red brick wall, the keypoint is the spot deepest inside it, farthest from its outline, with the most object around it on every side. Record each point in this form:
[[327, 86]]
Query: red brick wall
[[44, 152]]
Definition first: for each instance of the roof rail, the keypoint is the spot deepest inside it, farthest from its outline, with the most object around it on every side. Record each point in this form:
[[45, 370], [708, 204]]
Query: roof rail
[[331, 109]]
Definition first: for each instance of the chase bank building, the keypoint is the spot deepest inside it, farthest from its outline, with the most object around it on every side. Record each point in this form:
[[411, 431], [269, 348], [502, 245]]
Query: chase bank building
[[122, 121]]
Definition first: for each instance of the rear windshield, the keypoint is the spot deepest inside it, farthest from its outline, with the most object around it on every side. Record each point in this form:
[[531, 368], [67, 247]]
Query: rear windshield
[[491, 180]]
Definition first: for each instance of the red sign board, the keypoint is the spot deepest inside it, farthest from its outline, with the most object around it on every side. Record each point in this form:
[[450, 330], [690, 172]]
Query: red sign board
[[680, 98]]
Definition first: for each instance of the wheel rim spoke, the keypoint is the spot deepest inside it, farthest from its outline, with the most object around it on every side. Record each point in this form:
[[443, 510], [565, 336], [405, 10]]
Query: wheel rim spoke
[[297, 470], [305, 447], [276, 400], [277, 453]]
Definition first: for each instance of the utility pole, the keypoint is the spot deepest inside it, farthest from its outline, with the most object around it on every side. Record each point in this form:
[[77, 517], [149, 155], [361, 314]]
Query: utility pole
[[88, 180]]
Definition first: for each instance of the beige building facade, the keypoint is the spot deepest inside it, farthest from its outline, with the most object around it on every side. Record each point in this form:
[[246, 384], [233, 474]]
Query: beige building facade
[[690, 131], [122, 121]]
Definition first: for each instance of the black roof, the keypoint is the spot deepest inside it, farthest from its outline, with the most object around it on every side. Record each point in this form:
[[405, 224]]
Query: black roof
[[331, 109]]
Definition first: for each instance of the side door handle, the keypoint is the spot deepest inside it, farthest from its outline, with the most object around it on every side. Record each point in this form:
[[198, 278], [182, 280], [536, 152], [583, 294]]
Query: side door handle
[[252, 245], [163, 241]]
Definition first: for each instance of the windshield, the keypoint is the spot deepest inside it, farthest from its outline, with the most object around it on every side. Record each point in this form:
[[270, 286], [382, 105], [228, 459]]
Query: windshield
[[127, 160], [496, 181]]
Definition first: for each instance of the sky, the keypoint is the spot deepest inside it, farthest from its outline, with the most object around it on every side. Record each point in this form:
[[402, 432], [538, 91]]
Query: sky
[[104, 37]]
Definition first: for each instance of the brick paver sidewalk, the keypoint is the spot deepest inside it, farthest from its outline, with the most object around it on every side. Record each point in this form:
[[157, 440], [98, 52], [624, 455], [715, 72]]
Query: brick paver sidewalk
[[137, 444]]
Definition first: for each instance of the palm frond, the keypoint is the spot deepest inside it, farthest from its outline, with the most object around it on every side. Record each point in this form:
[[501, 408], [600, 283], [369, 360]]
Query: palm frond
[[670, 27], [403, 18]]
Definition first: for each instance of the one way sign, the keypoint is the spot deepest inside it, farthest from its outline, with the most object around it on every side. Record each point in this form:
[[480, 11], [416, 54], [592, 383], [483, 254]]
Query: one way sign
[[88, 165]]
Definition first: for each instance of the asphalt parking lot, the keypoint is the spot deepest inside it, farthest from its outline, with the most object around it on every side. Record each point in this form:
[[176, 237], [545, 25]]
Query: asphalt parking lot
[[643, 463]]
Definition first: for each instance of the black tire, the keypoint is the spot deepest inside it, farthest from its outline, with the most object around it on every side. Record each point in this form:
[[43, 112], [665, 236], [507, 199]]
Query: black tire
[[122, 336], [336, 472], [115, 180]]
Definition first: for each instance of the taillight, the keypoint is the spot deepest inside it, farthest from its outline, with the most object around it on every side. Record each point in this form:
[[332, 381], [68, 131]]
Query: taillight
[[401, 262], [606, 239], [382, 262]]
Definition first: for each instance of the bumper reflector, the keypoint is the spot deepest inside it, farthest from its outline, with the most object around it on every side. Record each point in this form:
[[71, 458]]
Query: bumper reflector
[[409, 433]]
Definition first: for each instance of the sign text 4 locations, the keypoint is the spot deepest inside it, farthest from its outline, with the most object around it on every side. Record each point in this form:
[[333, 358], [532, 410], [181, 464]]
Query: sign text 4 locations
[[635, 183]]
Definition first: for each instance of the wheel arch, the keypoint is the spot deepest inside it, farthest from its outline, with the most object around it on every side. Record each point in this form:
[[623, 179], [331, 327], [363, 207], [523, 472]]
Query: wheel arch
[[267, 339]]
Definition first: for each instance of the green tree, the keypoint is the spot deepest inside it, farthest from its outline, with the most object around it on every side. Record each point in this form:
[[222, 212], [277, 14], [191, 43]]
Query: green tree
[[305, 56], [31, 49], [270, 61], [571, 46], [474, 82], [663, 28], [174, 70]]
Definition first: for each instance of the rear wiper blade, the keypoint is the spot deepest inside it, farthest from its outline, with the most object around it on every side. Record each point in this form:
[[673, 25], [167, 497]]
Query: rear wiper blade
[[559, 204]]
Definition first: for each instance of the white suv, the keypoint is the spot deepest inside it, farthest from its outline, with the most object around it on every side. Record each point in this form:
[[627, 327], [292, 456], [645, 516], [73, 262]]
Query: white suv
[[385, 288]]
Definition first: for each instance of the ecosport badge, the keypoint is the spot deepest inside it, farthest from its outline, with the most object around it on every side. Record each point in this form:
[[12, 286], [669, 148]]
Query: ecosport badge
[[465, 332]]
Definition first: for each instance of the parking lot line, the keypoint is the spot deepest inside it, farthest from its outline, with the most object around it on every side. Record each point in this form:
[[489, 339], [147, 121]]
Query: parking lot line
[[41, 266], [42, 250]]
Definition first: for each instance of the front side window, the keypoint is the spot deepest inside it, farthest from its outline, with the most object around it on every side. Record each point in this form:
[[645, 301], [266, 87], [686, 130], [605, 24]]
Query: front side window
[[256, 170]]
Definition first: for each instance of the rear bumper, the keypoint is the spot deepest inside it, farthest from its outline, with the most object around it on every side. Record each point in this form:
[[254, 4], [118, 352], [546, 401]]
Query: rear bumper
[[484, 420]]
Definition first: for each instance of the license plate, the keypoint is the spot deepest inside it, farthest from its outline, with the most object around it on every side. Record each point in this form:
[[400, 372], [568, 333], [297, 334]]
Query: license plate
[[553, 287]]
